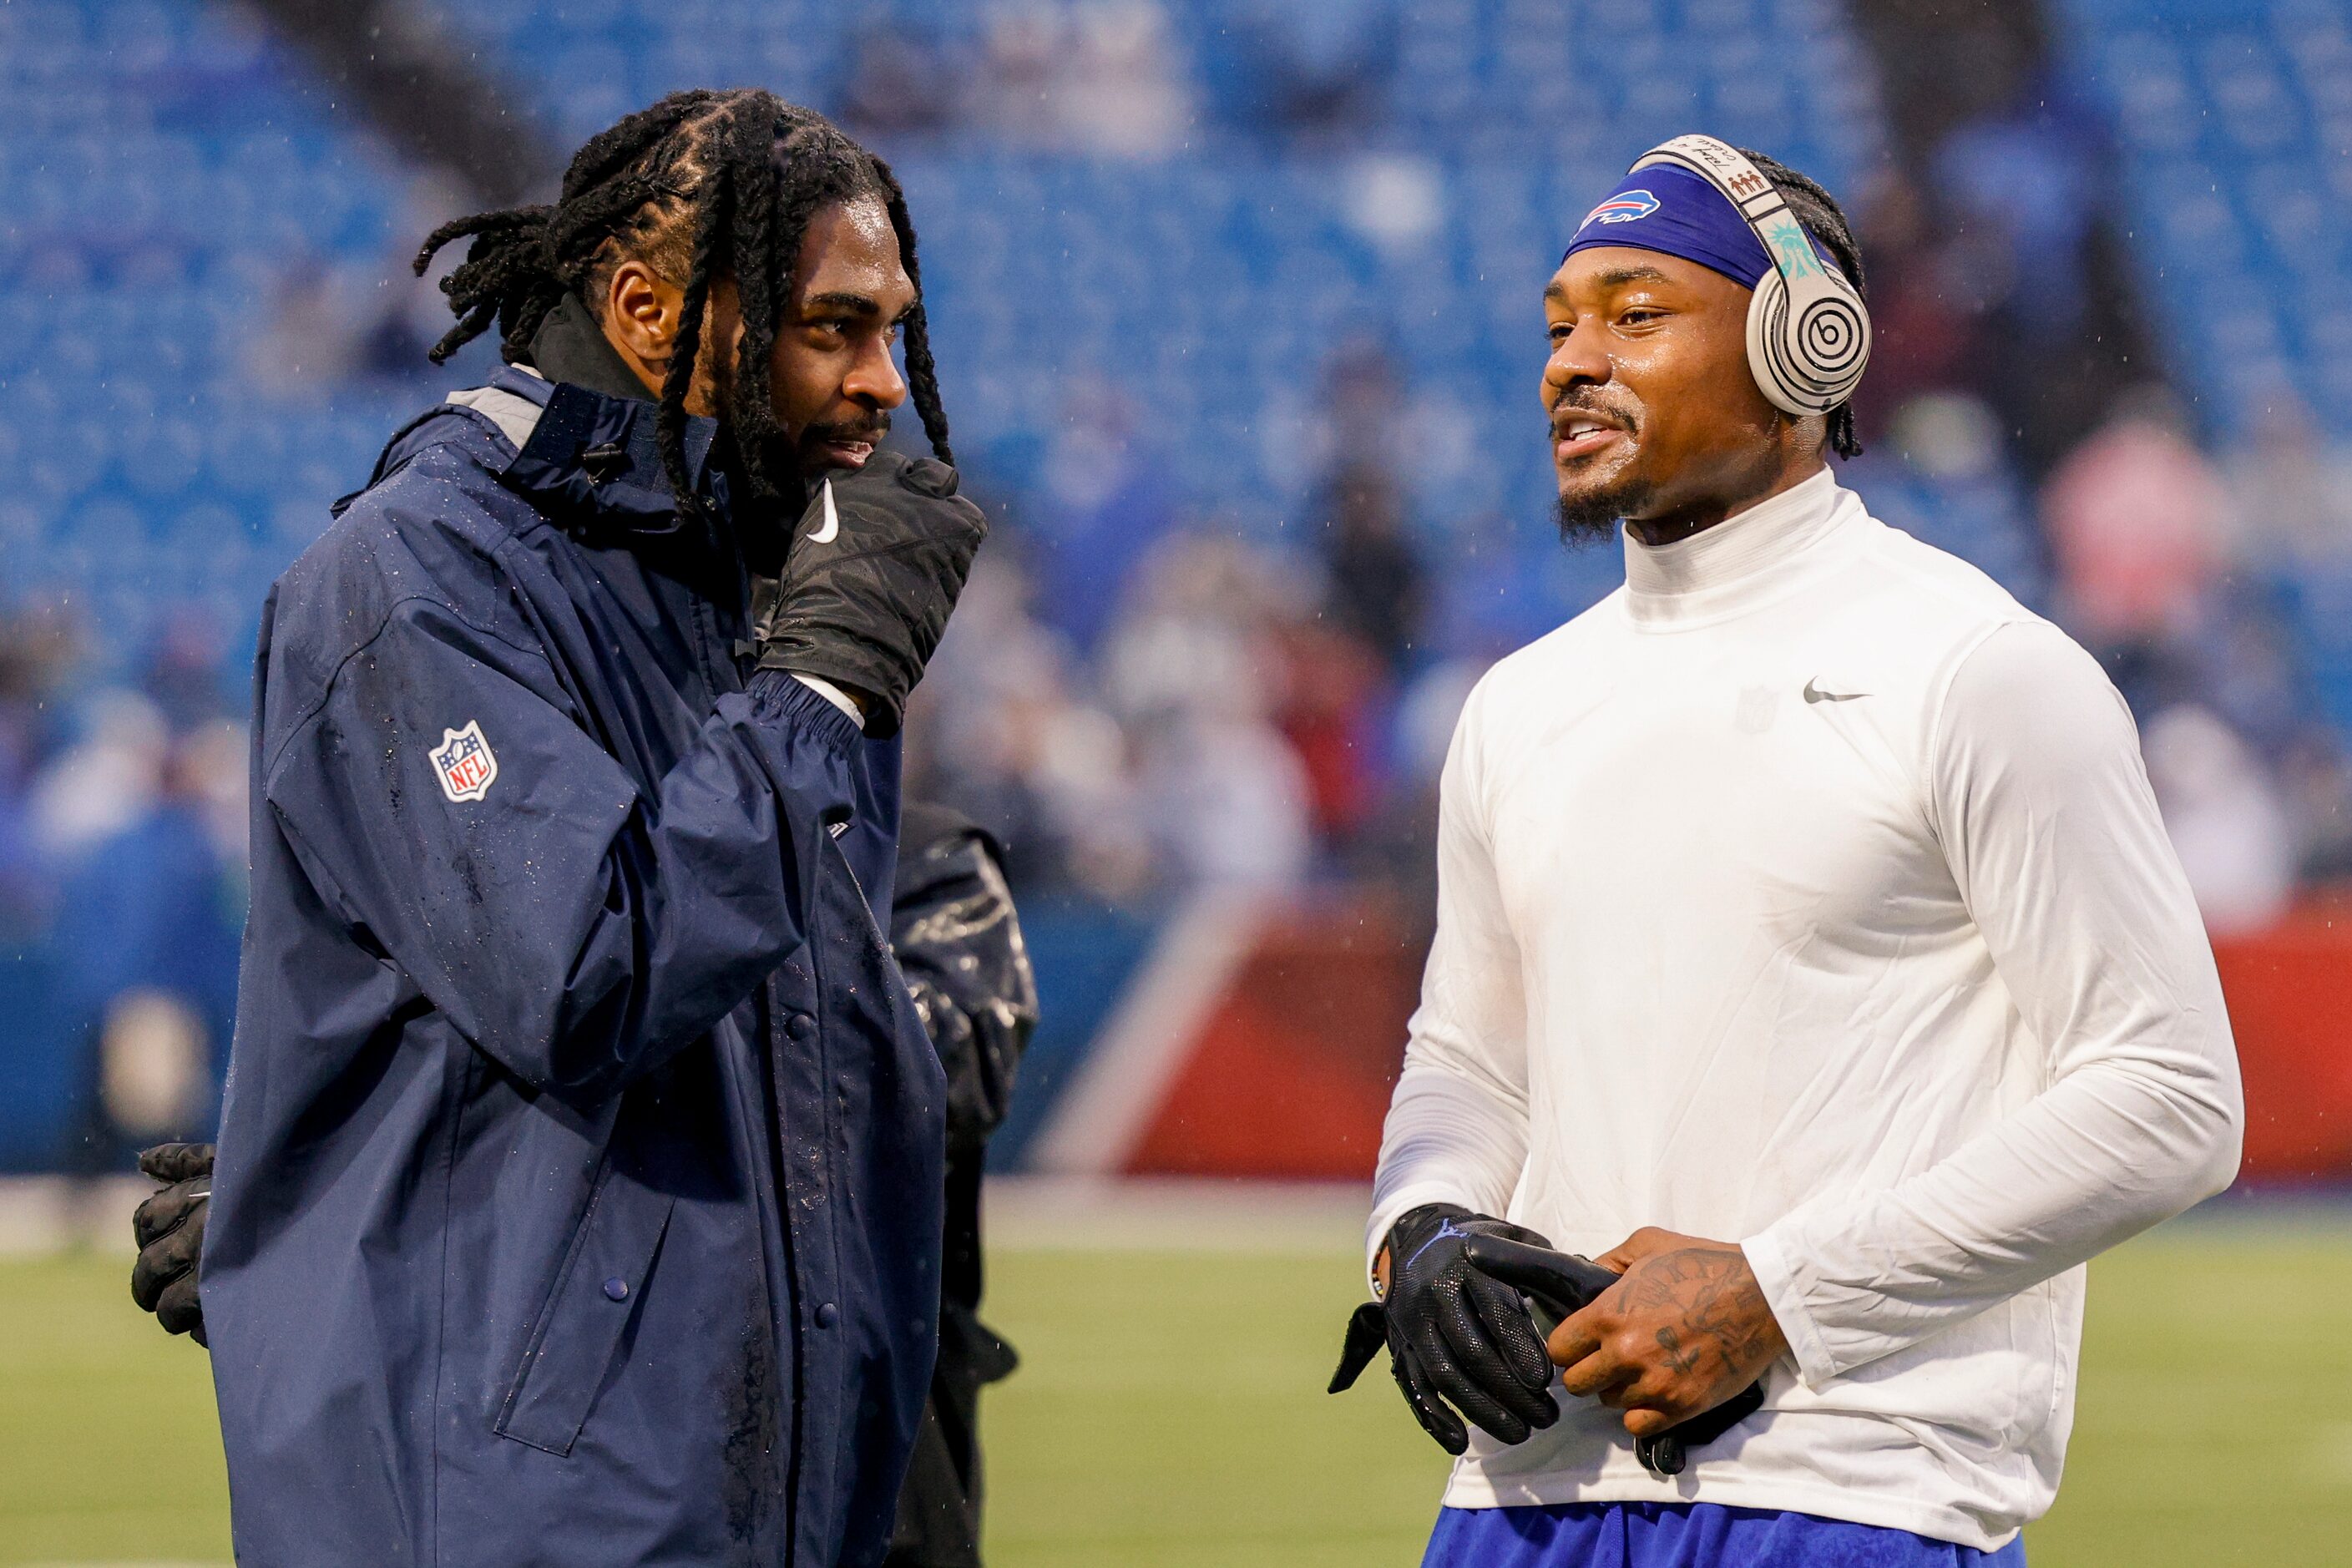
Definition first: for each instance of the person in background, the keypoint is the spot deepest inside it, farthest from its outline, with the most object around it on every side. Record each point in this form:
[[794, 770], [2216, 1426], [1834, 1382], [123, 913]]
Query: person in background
[[1377, 589]]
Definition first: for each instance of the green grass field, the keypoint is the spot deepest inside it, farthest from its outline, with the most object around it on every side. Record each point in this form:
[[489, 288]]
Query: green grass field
[[1170, 1412]]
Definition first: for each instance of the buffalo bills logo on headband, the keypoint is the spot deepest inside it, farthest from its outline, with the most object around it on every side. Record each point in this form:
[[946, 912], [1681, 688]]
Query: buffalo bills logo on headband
[[1623, 207]]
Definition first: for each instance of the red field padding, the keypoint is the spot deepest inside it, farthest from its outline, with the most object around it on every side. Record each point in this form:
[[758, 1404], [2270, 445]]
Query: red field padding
[[1290, 1075], [1292, 1071], [2290, 996]]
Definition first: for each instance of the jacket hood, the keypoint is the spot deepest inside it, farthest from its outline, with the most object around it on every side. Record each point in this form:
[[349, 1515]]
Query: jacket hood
[[571, 347], [591, 461], [587, 453]]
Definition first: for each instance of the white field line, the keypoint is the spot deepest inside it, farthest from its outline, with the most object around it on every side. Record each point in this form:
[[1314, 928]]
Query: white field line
[[2324, 1215], [1054, 1214], [42, 1215], [1102, 1115]]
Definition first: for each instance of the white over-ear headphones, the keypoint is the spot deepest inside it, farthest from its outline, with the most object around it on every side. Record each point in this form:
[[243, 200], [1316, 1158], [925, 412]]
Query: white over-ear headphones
[[1807, 331]]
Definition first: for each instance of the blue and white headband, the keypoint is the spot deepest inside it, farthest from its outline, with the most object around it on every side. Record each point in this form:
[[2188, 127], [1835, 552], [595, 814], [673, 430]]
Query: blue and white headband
[[1678, 213]]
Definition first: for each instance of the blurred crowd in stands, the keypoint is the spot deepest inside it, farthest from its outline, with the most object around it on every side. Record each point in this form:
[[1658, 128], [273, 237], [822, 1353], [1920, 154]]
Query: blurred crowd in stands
[[1113, 77], [2004, 278], [123, 840]]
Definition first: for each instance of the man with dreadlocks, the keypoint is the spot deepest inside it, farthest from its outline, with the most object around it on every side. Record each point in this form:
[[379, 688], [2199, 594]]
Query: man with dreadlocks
[[580, 1177], [1810, 954]]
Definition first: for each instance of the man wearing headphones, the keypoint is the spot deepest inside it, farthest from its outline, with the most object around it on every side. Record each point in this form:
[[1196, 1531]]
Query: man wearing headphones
[[1810, 954]]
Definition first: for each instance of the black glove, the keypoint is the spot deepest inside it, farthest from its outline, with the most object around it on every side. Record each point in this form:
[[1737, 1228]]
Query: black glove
[[958, 941], [1451, 1332], [873, 568], [1559, 1283], [170, 1229]]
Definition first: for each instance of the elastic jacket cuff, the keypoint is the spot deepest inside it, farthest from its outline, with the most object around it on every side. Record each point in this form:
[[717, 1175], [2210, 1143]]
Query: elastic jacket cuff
[[779, 696]]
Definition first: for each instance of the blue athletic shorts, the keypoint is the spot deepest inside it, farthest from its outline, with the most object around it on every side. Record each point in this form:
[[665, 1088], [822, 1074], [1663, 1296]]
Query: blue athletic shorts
[[1686, 1535]]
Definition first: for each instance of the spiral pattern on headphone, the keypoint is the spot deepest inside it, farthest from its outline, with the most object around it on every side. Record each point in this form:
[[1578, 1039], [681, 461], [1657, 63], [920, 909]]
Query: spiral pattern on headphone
[[1831, 337], [1808, 355], [1810, 364]]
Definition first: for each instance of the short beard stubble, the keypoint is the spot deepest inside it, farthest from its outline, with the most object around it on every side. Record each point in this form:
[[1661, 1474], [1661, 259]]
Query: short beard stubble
[[1591, 516]]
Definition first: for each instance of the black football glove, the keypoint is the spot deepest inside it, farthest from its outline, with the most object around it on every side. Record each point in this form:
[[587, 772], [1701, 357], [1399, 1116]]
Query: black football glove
[[1452, 1334], [170, 1230], [1557, 1284], [873, 570], [958, 941]]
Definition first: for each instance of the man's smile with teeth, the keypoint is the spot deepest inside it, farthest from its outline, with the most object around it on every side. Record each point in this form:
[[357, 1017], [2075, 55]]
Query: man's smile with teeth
[[1579, 436]]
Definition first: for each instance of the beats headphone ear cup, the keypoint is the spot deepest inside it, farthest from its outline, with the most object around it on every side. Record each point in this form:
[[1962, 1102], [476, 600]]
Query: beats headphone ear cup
[[1810, 363], [1807, 344]]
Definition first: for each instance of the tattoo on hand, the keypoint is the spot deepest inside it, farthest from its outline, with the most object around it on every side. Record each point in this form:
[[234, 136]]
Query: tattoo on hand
[[1679, 1359], [1723, 1328]]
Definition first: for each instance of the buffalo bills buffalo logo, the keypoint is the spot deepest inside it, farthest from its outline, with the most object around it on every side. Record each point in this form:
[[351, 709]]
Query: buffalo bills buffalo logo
[[464, 762], [1623, 207]]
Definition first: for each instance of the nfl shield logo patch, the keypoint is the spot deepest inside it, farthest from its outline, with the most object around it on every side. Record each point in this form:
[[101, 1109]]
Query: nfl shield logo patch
[[464, 762]]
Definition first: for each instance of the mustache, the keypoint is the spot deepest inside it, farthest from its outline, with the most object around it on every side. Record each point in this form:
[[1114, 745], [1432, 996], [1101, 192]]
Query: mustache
[[1571, 404], [872, 429]]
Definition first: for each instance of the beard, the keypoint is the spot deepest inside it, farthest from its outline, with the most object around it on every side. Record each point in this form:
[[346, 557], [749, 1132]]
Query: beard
[[1590, 517], [751, 446]]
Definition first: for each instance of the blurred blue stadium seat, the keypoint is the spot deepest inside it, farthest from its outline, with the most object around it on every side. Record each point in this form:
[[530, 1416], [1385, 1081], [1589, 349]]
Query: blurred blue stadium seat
[[166, 166], [171, 167], [2230, 117]]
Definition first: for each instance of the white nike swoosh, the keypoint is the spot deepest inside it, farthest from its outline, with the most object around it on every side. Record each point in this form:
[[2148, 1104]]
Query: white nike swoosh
[[832, 524]]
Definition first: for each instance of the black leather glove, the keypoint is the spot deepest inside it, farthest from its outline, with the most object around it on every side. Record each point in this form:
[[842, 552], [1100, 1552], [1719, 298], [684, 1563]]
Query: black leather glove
[[1452, 1334], [958, 941], [170, 1230], [1559, 1283], [874, 569]]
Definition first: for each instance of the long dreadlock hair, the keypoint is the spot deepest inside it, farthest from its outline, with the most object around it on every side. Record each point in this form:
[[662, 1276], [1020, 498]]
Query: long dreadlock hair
[[1818, 211], [700, 187]]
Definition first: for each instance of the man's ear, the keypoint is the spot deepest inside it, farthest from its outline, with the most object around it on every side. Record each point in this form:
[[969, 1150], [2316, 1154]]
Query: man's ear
[[640, 319]]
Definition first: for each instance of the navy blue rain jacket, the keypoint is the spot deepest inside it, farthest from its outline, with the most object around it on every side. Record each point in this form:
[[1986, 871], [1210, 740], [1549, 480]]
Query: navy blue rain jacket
[[580, 1176]]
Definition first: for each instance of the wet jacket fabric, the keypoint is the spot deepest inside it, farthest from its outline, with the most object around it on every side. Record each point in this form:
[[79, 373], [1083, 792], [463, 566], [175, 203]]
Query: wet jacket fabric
[[581, 1164]]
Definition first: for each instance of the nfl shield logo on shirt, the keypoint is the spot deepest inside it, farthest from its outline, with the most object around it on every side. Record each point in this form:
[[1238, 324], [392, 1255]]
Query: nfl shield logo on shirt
[[464, 762]]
